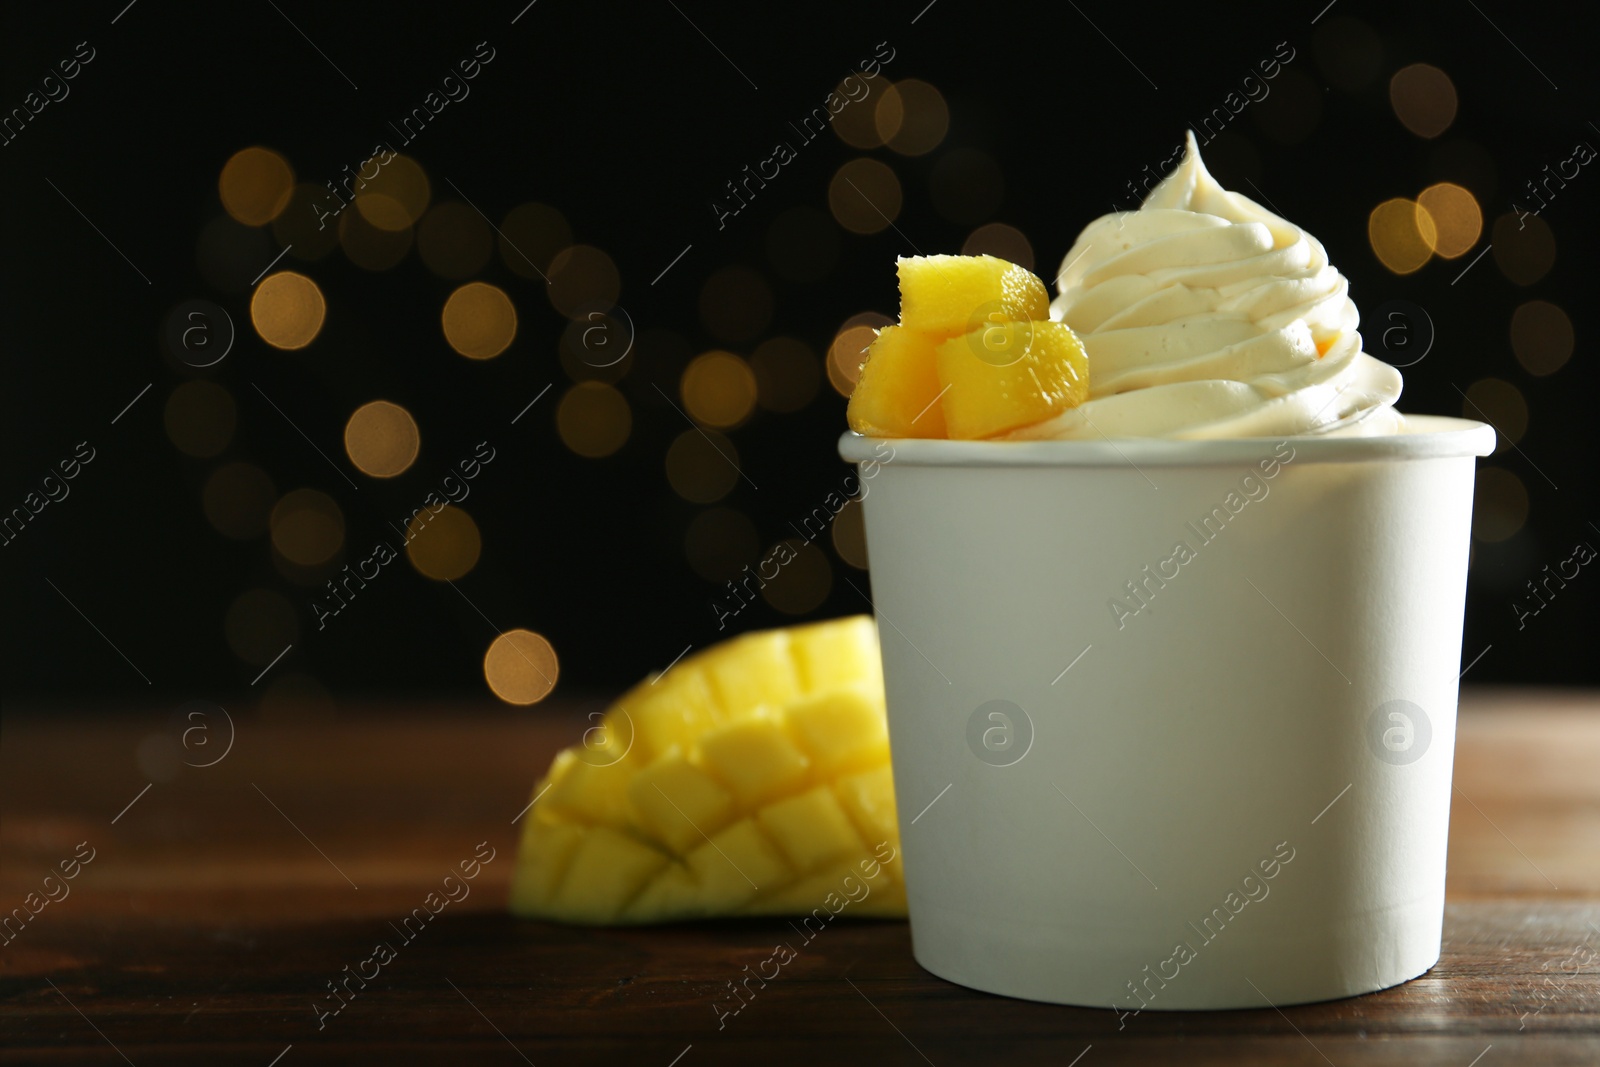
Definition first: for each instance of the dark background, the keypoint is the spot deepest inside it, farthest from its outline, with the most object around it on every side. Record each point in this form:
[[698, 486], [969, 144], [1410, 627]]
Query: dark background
[[629, 121]]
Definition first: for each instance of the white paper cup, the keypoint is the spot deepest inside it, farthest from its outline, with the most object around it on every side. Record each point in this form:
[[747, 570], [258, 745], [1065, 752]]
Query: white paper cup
[[1230, 790]]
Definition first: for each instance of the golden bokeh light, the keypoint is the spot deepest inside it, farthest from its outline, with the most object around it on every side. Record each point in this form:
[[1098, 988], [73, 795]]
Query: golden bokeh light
[[454, 241], [581, 276], [307, 226], [998, 239], [850, 535], [255, 185], [735, 304], [598, 347], [1424, 99], [259, 625], [530, 236], [1499, 504], [1456, 218], [857, 125], [237, 499], [864, 196], [1402, 235], [803, 244], [702, 466], [479, 320], [396, 197], [307, 527], [594, 420], [287, 310], [370, 247], [443, 545], [719, 543], [521, 667], [200, 418], [1501, 405], [803, 581], [1524, 249], [1542, 337], [786, 374], [718, 389], [912, 117], [848, 352], [966, 186], [381, 439]]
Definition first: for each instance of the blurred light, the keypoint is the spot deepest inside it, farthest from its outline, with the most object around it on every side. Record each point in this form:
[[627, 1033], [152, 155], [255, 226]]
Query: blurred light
[[1348, 52], [594, 420], [599, 346], [1499, 504], [443, 545], [200, 418], [530, 236], [864, 196], [1501, 405], [288, 310], [1524, 250], [702, 466], [306, 227], [912, 117], [381, 439], [1542, 337], [998, 239], [1455, 216], [255, 185], [582, 276], [396, 197], [296, 698], [307, 527], [803, 244], [967, 186], [521, 667], [786, 374], [454, 242], [847, 353], [1402, 234], [229, 254], [1424, 99], [259, 624], [237, 499], [1293, 110], [719, 543], [735, 304], [479, 320], [368, 246], [856, 125], [850, 535], [802, 583], [718, 389]]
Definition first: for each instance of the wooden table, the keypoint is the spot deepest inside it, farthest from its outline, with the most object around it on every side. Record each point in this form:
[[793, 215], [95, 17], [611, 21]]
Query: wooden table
[[219, 904]]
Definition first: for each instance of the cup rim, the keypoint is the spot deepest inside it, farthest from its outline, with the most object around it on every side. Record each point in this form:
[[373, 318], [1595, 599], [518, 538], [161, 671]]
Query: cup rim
[[1428, 437]]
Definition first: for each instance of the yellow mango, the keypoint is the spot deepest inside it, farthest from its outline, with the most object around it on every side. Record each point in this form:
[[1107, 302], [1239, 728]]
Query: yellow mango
[[950, 295], [897, 394], [1004, 376]]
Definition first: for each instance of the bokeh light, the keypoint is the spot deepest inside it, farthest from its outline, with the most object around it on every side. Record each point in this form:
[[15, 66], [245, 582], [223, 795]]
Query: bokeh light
[[850, 535], [200, 418], [998, 239], [718, 389], [1524, 249], [521, 667], [856, 125], [1456, 218], [1542, 337], [599, 346], [255, 185], [593, 419], [371, 247], [1402, 234], [786, 373], [530, 236], [306, 226], [259, 625], [237, 499], [912, 117], [735, 303], [1500, 404], [479, 320], [1465, 162], [443, 545], [381, 439], [720, 542], [395, 198], [803, 244], [864, 196], [1424, 99], [1499, 504], [288, 310], [849, 348], [454, 241], [307, 527], [582, 276], [967, 186], [702, 466], [802, 583]]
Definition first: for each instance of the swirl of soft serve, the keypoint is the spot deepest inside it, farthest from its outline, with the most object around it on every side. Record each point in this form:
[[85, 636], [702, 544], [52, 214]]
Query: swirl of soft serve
[[1206, 316]]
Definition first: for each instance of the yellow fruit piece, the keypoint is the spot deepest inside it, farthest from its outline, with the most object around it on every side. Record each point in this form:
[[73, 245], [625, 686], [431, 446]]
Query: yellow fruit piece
[[950, 295], [897, 394], [751, 778], [1009, 375]]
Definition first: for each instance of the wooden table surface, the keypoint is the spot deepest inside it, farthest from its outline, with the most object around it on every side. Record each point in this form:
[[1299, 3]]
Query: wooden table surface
[[217, 907]]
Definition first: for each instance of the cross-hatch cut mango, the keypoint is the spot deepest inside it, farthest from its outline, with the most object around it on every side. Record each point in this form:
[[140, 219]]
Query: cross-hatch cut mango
[[750, 779], [974, 355]]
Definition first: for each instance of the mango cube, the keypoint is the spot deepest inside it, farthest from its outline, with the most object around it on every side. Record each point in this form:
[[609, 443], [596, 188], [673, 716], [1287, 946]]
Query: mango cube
[[678, 804], [1008, 375], [811, 828], [755, 758], [949, 295], [841, 731], [737, 864], [897, 394], [837, 653], [608, 871]]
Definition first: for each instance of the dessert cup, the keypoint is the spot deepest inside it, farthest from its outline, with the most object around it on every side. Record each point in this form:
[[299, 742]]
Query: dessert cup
[[1172, 721]]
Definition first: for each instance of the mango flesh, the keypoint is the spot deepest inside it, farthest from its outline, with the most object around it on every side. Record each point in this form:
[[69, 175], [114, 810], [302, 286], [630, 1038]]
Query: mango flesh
[[1007, 375], [897, 394], [750, 779], [949, 295]]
